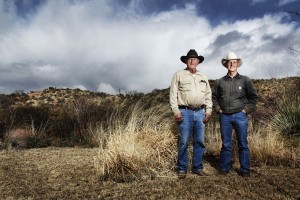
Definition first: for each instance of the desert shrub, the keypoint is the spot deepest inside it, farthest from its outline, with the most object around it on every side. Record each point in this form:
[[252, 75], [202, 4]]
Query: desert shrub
[[80, 112], [156, 97], [60, 124], [286, 114], [70, 124], [17, 138], [22, 116], [5, 101], [2, 129], [39, 141]]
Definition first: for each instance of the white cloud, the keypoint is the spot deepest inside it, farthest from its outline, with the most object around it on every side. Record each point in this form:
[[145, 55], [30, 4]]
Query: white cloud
[[258, 1], [90, 45], [106, 88], [284, 2], [280, 2]]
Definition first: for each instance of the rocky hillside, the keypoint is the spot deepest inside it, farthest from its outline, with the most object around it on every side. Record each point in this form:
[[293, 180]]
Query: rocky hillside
[[268, 90]]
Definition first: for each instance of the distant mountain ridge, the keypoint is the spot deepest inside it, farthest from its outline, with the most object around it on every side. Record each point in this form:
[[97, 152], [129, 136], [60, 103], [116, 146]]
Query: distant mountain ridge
[[268, 90]]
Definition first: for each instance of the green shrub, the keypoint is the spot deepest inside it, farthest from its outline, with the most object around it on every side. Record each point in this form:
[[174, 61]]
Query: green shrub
[[286, 117]]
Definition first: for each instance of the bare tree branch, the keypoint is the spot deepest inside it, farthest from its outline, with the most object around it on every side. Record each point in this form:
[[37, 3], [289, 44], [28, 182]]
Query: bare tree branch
[[297, 13], [294, 50]]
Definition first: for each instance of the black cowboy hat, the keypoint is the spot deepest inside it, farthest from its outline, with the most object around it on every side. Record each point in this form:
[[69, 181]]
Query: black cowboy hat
[[192, 54]]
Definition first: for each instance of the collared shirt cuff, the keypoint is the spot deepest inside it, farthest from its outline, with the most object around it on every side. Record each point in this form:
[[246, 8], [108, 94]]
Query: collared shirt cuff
[[209, 111], [176, 112]]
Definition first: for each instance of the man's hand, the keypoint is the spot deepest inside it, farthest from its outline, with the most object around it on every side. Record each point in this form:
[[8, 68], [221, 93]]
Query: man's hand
[[178, 117], [207, 118]]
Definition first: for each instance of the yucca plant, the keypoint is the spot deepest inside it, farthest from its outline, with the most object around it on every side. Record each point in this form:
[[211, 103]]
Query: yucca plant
[[286, 116]]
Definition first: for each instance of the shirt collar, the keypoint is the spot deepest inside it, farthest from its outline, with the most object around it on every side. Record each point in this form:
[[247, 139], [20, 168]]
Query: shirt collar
[[188, 72], [236, 76]]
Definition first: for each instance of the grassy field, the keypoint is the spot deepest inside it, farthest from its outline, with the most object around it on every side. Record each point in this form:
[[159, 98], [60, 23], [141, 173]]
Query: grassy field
[[98, 146], [70, 173]]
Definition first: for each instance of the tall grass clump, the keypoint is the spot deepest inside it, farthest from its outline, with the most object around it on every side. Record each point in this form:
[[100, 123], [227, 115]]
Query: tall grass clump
[[137, 144], [269, 147], [213, 141], [286, 114]]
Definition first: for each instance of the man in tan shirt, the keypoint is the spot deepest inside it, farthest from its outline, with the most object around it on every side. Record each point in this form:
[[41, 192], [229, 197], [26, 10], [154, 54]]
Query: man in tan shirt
[[191, 103]]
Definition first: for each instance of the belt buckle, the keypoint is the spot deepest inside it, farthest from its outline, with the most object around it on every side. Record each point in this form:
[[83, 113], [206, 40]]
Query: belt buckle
[[194, 108]]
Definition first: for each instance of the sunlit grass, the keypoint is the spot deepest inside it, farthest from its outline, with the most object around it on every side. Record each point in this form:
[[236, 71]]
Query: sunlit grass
[[141, 146], [266, 145], [145, 145]]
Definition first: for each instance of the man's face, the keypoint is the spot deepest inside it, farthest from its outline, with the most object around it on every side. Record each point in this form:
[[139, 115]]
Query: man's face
[[192, 63], [232, 65]]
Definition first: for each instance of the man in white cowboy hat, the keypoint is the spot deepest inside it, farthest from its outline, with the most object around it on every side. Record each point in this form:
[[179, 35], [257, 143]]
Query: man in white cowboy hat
[[190, 100], [234, 96]]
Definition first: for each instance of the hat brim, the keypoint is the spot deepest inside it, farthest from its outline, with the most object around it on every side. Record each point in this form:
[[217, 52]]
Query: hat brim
[[223, 61], [183, 58]]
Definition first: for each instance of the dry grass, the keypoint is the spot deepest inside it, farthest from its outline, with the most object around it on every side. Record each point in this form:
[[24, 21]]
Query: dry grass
[[269, 147], [213, 140], [144, 145], [141, 146], [133, 156], [69, 173]]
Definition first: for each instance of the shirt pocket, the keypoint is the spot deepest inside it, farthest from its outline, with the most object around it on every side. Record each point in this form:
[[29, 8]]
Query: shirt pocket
[[240, 91], [202, 85], [185, 86]]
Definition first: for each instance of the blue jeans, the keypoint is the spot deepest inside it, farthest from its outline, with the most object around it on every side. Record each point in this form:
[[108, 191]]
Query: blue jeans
[[238, 122], [192, 122]]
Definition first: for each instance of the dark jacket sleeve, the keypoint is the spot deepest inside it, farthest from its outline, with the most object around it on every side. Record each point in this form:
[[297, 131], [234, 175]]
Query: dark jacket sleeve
[[215, 97], [251, 95]]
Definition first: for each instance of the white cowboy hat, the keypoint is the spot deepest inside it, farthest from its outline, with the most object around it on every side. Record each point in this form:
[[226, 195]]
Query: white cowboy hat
[[231, 56]]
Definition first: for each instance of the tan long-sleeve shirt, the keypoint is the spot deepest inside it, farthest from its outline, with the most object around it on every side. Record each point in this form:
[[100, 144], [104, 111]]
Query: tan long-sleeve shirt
[[190, 90]]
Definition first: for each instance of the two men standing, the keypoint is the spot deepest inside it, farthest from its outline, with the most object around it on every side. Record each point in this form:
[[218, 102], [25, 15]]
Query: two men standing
[[191, 102]]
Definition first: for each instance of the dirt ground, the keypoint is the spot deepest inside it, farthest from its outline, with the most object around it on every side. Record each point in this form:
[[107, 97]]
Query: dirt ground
[[69, 173]]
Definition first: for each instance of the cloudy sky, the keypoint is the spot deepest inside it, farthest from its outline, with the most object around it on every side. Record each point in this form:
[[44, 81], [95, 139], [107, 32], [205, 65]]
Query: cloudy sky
[[136, 45]]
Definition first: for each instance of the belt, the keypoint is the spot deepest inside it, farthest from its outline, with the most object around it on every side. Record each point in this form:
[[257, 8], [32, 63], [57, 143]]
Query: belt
[[191, 108]]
